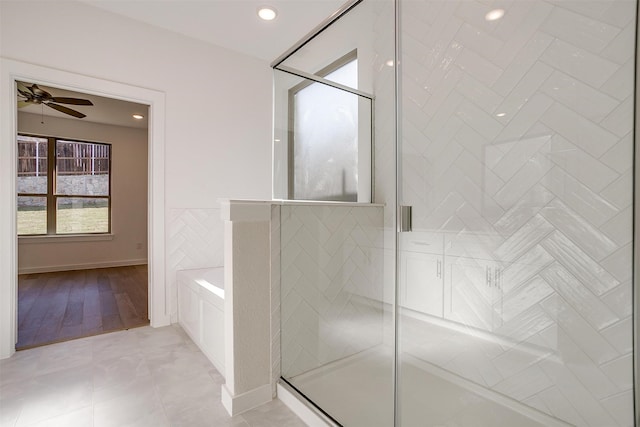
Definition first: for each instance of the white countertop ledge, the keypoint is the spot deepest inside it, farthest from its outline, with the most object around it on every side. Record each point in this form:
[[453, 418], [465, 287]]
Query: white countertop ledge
[[260, 210]]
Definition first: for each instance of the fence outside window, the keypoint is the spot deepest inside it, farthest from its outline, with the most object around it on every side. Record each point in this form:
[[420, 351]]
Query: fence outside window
[[63, 186]]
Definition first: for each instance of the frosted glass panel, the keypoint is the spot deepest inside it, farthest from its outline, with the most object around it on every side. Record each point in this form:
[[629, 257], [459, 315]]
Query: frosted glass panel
[[322, 139], [346, 75], [325, 150]]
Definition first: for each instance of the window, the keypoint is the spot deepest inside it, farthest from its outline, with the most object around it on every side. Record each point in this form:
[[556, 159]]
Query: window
[[63, 186], [324, 156]]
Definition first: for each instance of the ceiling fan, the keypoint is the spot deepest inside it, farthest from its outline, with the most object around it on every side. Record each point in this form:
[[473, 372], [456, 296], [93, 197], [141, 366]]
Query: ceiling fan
[[28, 95]]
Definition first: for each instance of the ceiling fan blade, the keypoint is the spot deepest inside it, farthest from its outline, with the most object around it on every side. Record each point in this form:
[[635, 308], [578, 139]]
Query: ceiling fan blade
[[65, 110], [74, 101], [24, 91], [22, 104], [39, 92], [21, 87]]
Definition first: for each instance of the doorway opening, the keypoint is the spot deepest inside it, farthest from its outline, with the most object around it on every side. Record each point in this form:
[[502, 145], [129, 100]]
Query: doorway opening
[[12, 71], [81, 214]]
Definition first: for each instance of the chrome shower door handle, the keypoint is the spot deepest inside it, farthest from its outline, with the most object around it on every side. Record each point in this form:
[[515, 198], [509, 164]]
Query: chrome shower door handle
[[404, 213]]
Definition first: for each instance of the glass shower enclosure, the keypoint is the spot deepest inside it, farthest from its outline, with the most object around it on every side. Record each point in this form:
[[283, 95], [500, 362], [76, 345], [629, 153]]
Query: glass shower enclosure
[[506, 296]]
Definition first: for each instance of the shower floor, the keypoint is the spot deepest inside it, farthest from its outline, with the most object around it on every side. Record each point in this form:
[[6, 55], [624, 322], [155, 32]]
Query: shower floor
[[358, 391], [426, 399]]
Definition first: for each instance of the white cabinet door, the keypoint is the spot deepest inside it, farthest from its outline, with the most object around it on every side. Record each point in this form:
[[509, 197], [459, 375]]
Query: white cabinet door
[[473, 294], [422, 275], [189, 310]]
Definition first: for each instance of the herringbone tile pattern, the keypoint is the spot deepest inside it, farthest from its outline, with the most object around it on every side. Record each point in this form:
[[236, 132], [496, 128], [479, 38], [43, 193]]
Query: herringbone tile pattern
[[195, 239], [517, 150], [331, 284]]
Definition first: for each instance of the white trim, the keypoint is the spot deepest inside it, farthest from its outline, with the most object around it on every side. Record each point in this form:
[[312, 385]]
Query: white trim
[[8, 230], [69, 267], [245, 210], [68, 238], [326, 203], [324, 81], [260, 210], [246, 401], [11, 70]]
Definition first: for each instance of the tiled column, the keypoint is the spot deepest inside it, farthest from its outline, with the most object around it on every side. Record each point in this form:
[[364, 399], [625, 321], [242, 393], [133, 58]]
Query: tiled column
[[247, 305]]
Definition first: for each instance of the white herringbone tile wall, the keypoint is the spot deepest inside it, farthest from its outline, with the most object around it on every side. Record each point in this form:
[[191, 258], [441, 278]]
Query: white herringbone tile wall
[[195, 239], [331, 288], [517, 157]]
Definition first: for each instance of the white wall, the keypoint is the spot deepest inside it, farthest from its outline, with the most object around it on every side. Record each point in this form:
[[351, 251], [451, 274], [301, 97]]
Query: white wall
[[218, 102], [128, 200]]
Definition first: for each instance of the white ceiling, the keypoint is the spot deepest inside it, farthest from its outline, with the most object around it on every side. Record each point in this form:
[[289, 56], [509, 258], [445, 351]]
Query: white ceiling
[[103, 110], [232, 24]]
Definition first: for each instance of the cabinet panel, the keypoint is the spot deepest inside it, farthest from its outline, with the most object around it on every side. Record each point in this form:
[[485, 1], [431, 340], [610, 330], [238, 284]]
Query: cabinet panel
[[473, 292], [213, 333], [189, 310], [422, 275]]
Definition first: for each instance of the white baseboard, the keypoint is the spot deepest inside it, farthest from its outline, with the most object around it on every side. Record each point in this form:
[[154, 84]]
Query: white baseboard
[[246, 401], [69, 267]]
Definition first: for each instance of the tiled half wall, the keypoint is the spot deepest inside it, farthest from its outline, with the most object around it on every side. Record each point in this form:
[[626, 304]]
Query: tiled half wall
[[331, 283]]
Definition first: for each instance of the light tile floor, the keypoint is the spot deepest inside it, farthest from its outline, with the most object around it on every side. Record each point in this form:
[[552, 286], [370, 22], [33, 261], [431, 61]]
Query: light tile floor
[[140, 377]]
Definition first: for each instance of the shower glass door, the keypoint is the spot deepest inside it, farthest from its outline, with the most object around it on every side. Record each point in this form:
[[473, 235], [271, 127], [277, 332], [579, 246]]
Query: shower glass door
[[337, 236], [516, 154]]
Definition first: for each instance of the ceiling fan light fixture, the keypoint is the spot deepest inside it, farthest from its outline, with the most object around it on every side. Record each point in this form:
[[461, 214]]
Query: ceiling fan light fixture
[[36, 95], [138, 116], [267, 13]]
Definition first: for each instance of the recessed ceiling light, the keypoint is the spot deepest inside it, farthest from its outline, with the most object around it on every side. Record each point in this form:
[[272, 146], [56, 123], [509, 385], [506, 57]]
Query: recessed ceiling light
[[501, 114], [389, 63], [138, 116], [267, 13], [494, 15]]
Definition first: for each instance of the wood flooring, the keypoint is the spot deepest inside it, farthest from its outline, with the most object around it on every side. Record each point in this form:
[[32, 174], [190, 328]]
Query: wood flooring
[[60, 306]]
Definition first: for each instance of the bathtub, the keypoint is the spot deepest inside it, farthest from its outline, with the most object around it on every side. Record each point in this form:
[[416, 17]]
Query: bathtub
[[201, 310]]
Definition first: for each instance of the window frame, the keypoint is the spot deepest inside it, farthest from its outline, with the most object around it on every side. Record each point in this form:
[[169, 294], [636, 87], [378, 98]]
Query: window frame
[[52, 195]]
